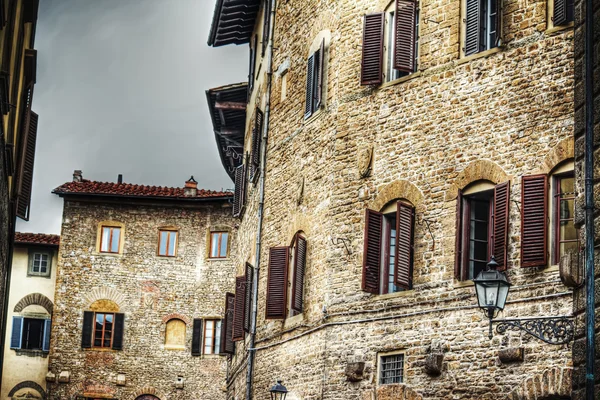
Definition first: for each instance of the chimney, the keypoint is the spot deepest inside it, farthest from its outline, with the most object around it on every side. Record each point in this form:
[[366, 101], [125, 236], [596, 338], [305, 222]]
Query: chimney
[[191, 187], [120, 178], [77, 175]]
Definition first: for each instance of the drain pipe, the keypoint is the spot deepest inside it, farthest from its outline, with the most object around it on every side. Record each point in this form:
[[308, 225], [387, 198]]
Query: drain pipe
[[589, 199], [261, 204]]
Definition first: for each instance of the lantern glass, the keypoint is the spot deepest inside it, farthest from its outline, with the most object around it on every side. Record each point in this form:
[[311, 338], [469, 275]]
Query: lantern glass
[[492, 290], [278, 392]]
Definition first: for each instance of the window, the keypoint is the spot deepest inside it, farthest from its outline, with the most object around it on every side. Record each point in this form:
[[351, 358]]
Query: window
[[175, 334], [30, 334], [566, 236], [560, 12], [110, 240], [167, 243], [102, 330], [482, 25], [212, 336], [388, 248], [39, 263], [314, 81], [218, 244], [390, 43], [297, 272], [391, 369], [482, 228]]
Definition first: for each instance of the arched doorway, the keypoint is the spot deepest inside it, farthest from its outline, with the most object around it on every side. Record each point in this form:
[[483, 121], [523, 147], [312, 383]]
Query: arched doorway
[[147, 397]]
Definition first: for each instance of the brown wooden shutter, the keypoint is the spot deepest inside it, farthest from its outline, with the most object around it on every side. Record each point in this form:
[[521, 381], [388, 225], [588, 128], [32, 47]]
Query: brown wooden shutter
[[405, 223], [372, 251], [277, 282], [252, 62], [26, 175], [472, 27], [227, 345], [404, 46], [117, 343], [501, 217], [266, 20], [560, 12], [372, 49], [299, 271], [197, 337], [239, 194], [458, 256], [88, 326], [310, 67], [320, 76], [238, 310], [534, 217], [248, 297], [256, 141]]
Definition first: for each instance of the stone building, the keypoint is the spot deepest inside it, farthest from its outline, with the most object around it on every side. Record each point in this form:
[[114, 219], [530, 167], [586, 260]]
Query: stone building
[[18, 130], [406, 142], [30, 307], [140, 292], [579, 347]]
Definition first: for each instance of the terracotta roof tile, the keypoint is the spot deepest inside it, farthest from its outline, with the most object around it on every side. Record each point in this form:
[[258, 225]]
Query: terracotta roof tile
[[37, 238], [131, 190]]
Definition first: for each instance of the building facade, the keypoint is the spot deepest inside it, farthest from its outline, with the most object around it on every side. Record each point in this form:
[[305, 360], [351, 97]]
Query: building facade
[[18, 128], [406, 142], [30, 308], [140, 292]]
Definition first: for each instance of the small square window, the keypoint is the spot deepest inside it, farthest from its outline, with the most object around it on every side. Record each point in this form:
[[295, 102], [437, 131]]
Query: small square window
[[391, 369], [110, 240], [218, 244], [167, 243], [39, 263]]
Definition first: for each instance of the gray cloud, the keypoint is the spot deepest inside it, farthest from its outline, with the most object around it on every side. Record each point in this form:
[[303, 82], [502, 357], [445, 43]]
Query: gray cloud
[[120, 90]]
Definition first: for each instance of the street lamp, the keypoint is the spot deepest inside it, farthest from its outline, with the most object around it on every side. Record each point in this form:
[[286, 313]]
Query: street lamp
[[278, 392], [492, 287]]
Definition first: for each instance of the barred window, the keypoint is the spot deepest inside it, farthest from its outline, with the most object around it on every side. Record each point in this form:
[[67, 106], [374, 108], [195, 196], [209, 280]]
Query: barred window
[[391, 369]]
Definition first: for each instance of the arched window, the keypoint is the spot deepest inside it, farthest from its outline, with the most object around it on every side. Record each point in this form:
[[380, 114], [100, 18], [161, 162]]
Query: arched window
[[388, 248], [175, 334]]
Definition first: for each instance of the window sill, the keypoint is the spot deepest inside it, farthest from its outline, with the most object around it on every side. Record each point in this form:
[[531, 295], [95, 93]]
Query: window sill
[[211, 356], [218, 259], [314, 116], [481, 54], [401, 80], [554, 29], [395, 294], [31, 353], [165, 257], [101, 349], [115, 255], [38, 276], [462, 284], [292, 322], [174, 347]]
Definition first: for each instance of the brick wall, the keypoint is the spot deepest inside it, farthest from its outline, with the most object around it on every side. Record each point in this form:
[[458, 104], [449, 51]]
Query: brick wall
[[148, 289]]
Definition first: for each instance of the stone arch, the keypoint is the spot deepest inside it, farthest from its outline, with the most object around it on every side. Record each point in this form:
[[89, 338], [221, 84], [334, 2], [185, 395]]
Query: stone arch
[[28, 384], [148, 393], [476, 171], [563, 151], [35, 299], [105, 293], [298, 222], [553, 383], [147, 397], [400, 189], [171, 316]]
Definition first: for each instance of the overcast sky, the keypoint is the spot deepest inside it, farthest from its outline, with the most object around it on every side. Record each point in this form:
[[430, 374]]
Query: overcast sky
[[121, 90]]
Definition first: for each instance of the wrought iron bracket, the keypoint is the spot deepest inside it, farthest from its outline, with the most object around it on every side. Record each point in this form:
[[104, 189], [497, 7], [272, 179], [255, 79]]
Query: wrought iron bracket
[[552, 330], [344, 241]]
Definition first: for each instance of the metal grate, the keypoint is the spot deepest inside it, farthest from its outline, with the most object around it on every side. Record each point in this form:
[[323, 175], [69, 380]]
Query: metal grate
[[392, 369]]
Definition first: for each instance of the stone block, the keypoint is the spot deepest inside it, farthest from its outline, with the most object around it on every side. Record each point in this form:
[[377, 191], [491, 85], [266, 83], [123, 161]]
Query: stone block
[[64, 377], [433, 363], [355, 371], [512, 354]]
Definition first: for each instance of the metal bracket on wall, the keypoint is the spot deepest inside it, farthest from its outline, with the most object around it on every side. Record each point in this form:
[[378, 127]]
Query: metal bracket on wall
[[517, 203], [427, 222], [552, 330], [344, 241]]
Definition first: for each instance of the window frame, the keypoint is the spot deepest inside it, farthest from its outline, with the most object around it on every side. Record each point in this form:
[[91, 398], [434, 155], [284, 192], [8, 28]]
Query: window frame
[[214, 350], [390, 74], [380, 363], [550, 25], [31, 260], [220, 232], [175, 346], [112, 332], [111, 227], [488, 47], [556, 241], [175, 245], [24, 340]]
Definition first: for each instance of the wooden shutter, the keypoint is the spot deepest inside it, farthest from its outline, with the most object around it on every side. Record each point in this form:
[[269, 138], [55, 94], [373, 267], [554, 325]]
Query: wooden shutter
[[118, 332], [238, 309], [266, 20], [404, 46], [534, 217], [372, 49], [498, 37], [277, 282], [47, 330], [501, 214], [320, 76], [86, 332], [299, 271], [197, 337], [248, 297], [472, 27], [405, 222], [17, 333], [560, 12], [256, 140], [26, 174], [239, 194], [227, 345], [310, 66], [372, 251], [251, 67], [458, 267]]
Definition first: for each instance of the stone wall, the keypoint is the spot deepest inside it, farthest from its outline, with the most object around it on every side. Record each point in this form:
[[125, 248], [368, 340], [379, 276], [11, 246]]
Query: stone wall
[[149, 290], [497, 116], [579, 348]]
